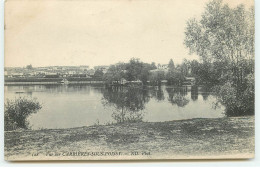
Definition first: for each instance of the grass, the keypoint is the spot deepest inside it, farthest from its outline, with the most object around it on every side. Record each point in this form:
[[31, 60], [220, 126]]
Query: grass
[[196, 138]]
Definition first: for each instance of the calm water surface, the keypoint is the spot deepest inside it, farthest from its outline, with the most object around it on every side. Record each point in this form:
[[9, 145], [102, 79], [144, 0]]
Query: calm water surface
[[68, 106]]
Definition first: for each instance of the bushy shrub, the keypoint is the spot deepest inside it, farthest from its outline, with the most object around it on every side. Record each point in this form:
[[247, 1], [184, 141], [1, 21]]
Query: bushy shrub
[[238, 101], [17, 112], [179, 100], [130, 117]]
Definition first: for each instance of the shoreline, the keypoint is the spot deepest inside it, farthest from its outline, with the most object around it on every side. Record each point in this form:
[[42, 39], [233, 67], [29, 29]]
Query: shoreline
[[193, 138], [52, 83], [117, 124]]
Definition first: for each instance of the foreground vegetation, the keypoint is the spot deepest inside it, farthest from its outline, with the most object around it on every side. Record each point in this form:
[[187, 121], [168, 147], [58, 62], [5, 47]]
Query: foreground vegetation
[[196, 138], [224, 40], [17, 111]]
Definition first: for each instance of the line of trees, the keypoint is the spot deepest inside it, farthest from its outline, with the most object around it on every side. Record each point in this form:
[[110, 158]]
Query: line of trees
[[205, 73], [134, 70]]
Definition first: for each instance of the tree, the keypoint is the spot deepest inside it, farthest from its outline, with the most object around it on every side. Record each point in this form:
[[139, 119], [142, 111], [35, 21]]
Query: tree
[[224, 40], [223, 35], [17, 112], [133, 69], [171, 66], [153, 66], [114, 73], [156, 78], [145, 73], [98, 73], [137, 70], [29, 67], [171, 73]]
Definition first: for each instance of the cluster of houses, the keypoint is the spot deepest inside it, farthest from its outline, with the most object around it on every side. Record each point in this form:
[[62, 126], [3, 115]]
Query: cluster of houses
[[52, 71], [60, 71]]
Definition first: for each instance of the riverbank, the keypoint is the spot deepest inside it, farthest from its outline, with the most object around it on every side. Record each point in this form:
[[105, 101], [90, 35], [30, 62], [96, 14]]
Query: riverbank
[[39, 81], [183, 139]]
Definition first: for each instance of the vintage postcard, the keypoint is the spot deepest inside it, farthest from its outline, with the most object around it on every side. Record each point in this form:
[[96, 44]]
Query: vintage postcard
[[129, 79]]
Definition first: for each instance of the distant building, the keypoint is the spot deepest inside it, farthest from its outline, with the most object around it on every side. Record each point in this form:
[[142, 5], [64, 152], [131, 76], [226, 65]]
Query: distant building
[[72, 72], [189, 81], [51, 76], [17, 75], [123, 81], [163, 67], [91, 72], [102, 67], [84, 68], [50, 73], [158, 70]]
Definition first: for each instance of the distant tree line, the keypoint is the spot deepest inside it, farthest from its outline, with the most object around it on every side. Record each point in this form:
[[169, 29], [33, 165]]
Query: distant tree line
[[134, 70]]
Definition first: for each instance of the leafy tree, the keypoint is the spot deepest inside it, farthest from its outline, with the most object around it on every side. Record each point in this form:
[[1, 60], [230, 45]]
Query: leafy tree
[[137, 70], [224, 40], [237, 105], [223, 35], [156, 78], [171, 73], [17, 112], [175, 77], [153, 66], [133, 69], [114, 73], [29, 67], [145, 73], [171, 66], [98, 73]]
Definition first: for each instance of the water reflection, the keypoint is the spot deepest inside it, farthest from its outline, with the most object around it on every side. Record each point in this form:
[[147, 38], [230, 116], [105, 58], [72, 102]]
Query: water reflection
[[128, 103], [177, 96], [157, 93], [194, 93], [67, 106], [206, 93]]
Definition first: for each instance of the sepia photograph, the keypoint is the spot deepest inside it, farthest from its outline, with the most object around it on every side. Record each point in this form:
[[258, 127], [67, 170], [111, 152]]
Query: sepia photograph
[[129, 79]]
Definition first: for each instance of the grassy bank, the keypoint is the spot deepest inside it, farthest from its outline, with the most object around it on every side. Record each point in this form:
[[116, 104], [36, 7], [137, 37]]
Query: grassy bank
[[196, 138]]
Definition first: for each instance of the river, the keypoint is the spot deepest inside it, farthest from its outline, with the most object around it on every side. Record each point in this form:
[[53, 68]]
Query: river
[[69, 106]]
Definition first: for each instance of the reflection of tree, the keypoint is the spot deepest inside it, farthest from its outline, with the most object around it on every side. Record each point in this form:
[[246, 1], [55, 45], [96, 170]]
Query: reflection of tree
[[128, 103], [205, 96], [205, 92], [177, 96], [52, 86], [194, 93], [158, 94]]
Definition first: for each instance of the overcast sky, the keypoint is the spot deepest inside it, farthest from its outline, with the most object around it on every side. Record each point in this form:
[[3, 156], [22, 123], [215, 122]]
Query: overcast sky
[[101, 32]]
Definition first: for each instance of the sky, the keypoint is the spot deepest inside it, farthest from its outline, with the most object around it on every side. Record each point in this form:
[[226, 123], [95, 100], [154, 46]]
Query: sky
[[98, 32]]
